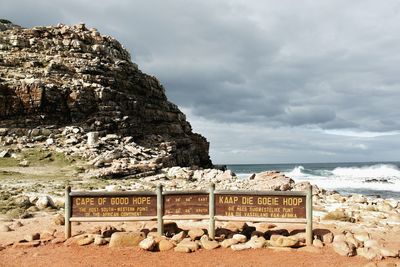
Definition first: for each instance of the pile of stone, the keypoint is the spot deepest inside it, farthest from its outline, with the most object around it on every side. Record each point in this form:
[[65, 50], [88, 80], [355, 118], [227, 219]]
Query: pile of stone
[[351, 244]]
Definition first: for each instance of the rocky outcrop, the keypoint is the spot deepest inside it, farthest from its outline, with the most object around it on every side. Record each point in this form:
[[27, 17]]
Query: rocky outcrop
[[57, 76]]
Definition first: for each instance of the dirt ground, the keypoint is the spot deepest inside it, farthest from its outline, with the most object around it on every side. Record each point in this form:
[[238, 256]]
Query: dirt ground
[[90, 255], [60, 255]]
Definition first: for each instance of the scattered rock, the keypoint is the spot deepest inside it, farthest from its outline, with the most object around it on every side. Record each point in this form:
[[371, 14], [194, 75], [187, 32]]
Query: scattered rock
[[147, 243], [85, 241], [31, 244], [24, 163], [239, 238], [228, 242], [256, 242], [241, 246], [5, 228], [32, 237], [283, 241], [318, 243], [387, 252], [179, 236], [44, 202], [344, 249], [58, 240], [165, 244], [208, 244], [59, 219], [187, 244], [126, 239], [195, 233], [99, 240]]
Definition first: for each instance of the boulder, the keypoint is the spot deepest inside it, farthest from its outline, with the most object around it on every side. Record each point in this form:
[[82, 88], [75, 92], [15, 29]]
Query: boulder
[[208, 244], [344, 249], [165, 244], [85, 241], [318, 243], [256, 242], [147, 243], [228, 242], [362, 236], [32, 237], [44, 202], [126, 239], [388, 252], [179, 236], [241, 246], [371, 243], [283, 241], [274, 181], [59, 219], [368, 253], [92, 138], [239, 238], [234, 226], [47, 234], [184, 245], [196, 233], [183, 249], [99, 240], [327, 238]]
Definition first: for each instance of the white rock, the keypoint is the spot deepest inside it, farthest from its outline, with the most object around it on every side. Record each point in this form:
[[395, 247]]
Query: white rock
[[239, 238], [147, 243], [44, 202]]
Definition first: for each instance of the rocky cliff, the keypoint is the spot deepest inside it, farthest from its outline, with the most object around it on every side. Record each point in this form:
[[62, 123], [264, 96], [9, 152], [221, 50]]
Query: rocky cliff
[[57, 76]]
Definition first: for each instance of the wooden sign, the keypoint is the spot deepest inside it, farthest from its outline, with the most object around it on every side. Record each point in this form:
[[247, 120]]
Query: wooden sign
[[213, 205], [186, 204], [260, 206], [114, 206]]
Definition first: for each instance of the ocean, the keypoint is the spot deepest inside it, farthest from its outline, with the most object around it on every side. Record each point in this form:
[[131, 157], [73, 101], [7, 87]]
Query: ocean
[[367, 178]]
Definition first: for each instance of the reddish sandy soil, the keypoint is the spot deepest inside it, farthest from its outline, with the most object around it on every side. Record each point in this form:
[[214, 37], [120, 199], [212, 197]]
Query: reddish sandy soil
[[60, 255]]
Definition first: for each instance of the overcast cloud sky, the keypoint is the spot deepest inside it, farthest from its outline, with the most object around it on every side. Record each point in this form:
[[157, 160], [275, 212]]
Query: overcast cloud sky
[[265, 81]]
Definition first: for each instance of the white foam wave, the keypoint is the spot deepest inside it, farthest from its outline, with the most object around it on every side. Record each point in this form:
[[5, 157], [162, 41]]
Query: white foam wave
[[384, 177], [374, 171]]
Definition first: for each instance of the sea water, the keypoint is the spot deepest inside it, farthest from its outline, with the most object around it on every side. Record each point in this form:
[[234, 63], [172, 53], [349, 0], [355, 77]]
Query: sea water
[[367, 178]]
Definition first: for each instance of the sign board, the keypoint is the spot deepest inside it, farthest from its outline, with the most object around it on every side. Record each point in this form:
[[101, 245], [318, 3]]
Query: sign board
[[276, 206], [265, 206], [186, 204], [114, 206]]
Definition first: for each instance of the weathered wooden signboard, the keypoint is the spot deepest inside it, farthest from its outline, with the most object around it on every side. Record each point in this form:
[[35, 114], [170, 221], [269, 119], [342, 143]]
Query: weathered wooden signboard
[[114, 206], [186, 204], [260, 206], [274, 206]]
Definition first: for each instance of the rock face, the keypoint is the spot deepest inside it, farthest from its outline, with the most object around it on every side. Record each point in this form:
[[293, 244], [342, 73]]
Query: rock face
[[56, 76]]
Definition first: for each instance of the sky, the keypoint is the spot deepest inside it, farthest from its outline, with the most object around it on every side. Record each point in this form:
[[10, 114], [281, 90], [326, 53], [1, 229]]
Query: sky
[[264, 81]]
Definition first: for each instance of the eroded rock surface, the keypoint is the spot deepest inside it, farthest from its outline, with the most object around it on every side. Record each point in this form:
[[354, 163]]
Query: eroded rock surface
[[58, 76]]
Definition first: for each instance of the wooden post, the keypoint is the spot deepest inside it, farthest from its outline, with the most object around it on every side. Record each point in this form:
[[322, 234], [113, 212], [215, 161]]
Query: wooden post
[[309, 216], [211, 208], [68, 212], [160, 210]]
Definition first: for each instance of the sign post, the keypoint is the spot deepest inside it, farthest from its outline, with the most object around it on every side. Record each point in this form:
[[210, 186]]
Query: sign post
[[309, 208], [67, 208], [211, 228], [160, 210]]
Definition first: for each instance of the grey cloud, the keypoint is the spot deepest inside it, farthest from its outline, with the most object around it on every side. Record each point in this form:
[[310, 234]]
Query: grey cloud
[[280, 68]]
